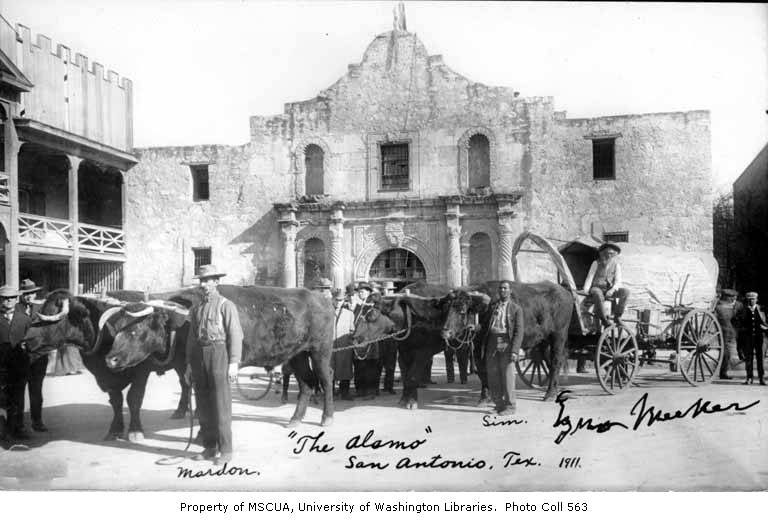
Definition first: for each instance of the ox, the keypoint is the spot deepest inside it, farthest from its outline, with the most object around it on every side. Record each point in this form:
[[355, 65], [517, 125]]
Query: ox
[[91, 324], [419, 312], [547, 310], [279, 325]]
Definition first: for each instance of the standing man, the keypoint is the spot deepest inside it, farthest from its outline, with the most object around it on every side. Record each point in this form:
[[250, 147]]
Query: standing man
[[14, 362], [388, 359], [724, 312], [38, 363], [504, 337], [604, 282], [214, 348], [366, 362], [750, 324], [341, 360]]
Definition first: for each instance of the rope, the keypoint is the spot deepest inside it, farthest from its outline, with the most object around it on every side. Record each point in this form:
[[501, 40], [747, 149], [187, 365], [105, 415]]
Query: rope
[[466, 338], [374, 340]]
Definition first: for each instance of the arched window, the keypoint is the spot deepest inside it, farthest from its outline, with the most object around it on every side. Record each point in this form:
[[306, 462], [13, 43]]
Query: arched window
[[480, 258], [313, 163], [314, 261], [479, 159], [398, 265]]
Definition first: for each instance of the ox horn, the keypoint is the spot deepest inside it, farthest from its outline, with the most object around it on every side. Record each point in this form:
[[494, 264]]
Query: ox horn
[[106, 315], [56, 317], [102, 325], [169, 305], [147, 310]]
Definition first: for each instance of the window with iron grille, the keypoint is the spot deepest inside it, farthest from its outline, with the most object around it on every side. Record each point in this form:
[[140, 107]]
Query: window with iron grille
[[200, 190], [616, 237], [603, 159], [394, 166], [202, 257]]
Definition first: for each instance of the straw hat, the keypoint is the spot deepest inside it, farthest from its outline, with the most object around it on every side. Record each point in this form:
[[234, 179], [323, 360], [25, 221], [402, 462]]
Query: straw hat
[[209, 272], [8, 291], [608, 244]]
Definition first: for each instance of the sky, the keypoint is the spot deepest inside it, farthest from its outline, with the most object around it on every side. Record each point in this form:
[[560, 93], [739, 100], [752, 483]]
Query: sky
[[201, 68]]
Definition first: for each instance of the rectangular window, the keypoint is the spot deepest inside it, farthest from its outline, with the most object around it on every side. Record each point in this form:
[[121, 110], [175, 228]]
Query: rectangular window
[[202, 257], [394, 166], [616, 237], [603, 159], [200, 190]]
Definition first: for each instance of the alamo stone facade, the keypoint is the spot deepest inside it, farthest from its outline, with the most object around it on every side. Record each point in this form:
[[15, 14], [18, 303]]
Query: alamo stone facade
[[403, 170]]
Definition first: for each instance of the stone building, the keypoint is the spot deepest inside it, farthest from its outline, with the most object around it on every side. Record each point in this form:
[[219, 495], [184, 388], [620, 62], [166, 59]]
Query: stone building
[[66, 141], [405, 170], [750, 213]]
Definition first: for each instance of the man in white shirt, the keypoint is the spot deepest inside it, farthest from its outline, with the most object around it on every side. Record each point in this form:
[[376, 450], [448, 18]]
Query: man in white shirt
[[604, 282]]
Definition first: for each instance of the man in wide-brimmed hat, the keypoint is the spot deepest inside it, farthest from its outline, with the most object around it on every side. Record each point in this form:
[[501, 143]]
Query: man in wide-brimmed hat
[[751, 326], [214, 348], [604, 282], [38, 363], [14, 363]]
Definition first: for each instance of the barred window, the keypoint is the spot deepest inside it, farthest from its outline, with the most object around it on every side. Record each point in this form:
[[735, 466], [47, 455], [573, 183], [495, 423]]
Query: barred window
[[200, 190], [603, 159], [202, 257], [616, 237], [394, 166]]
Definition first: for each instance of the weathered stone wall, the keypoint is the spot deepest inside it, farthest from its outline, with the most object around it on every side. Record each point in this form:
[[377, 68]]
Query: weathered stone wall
[[163, 224], [662, 193]]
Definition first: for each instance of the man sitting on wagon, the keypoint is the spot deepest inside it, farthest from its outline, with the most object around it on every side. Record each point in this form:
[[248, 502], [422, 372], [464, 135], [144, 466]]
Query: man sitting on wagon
[[604, 282]]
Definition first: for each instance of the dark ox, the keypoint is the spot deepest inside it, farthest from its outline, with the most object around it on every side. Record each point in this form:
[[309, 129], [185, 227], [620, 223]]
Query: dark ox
[[91, 324], [279, 325], [547, 310], [422, 309]]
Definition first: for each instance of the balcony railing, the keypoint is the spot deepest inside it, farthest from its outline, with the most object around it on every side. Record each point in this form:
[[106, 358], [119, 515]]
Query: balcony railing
[[52, 232], [101, 239], [45, 231], [4, 193]]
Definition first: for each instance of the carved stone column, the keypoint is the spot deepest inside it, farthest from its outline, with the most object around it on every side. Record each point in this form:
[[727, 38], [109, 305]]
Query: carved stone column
[[464, 263], [74, 218], [453, 227], [337, 246], [506, 240], [289, 226]]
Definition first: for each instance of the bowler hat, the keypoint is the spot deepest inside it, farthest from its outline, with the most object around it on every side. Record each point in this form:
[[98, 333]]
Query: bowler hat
[[8, 291], [729, 292], [28, 286], [209, 272], [608, 244], [751, 295], [365, 285]]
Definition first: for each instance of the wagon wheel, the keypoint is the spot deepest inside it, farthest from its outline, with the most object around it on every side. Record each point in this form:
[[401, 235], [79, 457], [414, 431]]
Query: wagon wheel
[[616, 358], [257, 387], [700, 347], [533, 368]]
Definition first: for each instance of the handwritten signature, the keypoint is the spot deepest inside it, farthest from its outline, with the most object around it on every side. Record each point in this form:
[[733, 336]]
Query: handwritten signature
[[646, 415]]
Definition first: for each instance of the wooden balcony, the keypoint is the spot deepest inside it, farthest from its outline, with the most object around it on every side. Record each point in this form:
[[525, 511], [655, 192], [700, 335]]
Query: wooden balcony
[[41, 232]]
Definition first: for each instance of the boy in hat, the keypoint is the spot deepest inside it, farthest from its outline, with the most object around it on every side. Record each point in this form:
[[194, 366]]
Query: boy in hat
[[38, 363], [214, 348], [604, 282], [724, 312], [14, 363], [751, 326]]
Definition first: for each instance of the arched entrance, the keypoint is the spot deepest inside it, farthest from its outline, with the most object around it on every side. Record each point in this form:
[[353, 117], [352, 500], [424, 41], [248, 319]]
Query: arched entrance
[[398, 265]]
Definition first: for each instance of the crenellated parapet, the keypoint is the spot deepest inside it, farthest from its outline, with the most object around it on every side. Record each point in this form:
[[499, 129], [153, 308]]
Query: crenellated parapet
[[69, 93]]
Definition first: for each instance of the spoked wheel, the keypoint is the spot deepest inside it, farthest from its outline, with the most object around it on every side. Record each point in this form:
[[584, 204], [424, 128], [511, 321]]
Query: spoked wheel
[[533, 368], [700, 347], [616, 358], [255, 384]]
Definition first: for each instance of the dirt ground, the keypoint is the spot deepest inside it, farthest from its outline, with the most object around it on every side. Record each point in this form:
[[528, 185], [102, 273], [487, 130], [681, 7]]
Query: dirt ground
[[725, 450]]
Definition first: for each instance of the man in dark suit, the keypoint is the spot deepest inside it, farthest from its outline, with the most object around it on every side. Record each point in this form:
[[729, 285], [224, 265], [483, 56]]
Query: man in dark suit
[[751, 326], [14, 362], [503, 339], [38, 363]]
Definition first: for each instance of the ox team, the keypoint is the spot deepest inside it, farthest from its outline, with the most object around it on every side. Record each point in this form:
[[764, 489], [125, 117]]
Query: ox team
[[366, 318]]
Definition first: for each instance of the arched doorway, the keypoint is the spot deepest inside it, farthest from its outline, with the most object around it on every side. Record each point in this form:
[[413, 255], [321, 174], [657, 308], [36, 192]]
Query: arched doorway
[[398, 265], [314, 261]]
